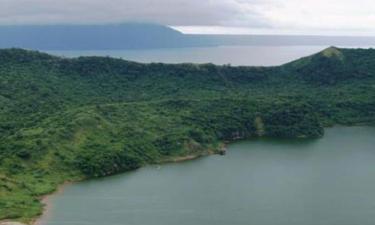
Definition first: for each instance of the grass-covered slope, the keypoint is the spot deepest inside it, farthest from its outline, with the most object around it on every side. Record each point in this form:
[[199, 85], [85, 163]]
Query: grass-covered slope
[[68, 119]]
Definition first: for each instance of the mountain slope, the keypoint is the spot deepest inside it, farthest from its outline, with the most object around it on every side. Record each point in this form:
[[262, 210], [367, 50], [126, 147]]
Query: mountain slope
[[335, 65], [68, 119], [92, 37]]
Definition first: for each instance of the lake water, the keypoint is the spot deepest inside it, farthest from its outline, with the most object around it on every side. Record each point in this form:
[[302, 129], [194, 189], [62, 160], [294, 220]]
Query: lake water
[[235, 55], [329, 181]]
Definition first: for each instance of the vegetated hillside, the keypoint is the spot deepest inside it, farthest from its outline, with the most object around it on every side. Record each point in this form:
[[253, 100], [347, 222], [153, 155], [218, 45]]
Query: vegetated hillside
[[68, 119]]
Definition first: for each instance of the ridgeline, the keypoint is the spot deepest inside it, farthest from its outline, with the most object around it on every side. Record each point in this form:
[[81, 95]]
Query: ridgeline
[[70, 119]]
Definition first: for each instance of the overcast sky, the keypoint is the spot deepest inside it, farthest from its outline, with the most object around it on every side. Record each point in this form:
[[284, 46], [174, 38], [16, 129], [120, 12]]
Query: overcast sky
[[203, 16]]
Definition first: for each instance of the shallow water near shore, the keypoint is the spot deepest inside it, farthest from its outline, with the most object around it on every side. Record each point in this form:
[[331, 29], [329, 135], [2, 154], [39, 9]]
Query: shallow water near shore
[[329, 181]]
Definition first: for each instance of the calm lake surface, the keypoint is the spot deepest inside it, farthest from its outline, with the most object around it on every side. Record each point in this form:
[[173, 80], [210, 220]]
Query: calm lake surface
[[235, 55], [329, 181]]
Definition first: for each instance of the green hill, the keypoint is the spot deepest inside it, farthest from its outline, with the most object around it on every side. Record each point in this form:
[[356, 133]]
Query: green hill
[[69, 119]]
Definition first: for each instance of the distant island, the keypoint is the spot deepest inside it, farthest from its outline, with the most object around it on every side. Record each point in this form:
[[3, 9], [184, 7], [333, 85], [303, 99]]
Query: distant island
[[147, 36], [72, 119], [92, 37]]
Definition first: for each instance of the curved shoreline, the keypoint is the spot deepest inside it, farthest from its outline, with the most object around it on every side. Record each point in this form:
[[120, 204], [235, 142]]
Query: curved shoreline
[[47, 205], [46, 199]]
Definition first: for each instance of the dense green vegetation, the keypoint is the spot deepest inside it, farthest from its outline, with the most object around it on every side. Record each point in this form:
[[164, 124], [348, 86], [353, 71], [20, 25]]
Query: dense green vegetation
[[69, 119]]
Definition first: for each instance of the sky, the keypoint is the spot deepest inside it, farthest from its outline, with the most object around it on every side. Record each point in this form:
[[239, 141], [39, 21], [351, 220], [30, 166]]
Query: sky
[[330, 17]]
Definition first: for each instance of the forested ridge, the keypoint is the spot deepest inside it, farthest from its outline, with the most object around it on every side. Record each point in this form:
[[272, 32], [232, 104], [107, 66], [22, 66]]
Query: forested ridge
[[67, 119]]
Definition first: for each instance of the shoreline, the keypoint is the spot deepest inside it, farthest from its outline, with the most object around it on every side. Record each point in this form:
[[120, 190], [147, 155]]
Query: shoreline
[[46, 199], [186, 158]]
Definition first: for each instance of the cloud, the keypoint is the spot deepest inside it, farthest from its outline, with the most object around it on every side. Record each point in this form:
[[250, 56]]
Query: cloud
[[297, 15], [320, 14]]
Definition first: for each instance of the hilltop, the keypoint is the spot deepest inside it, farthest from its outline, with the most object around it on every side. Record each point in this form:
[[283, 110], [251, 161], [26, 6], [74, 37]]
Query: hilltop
[[71, 119]]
